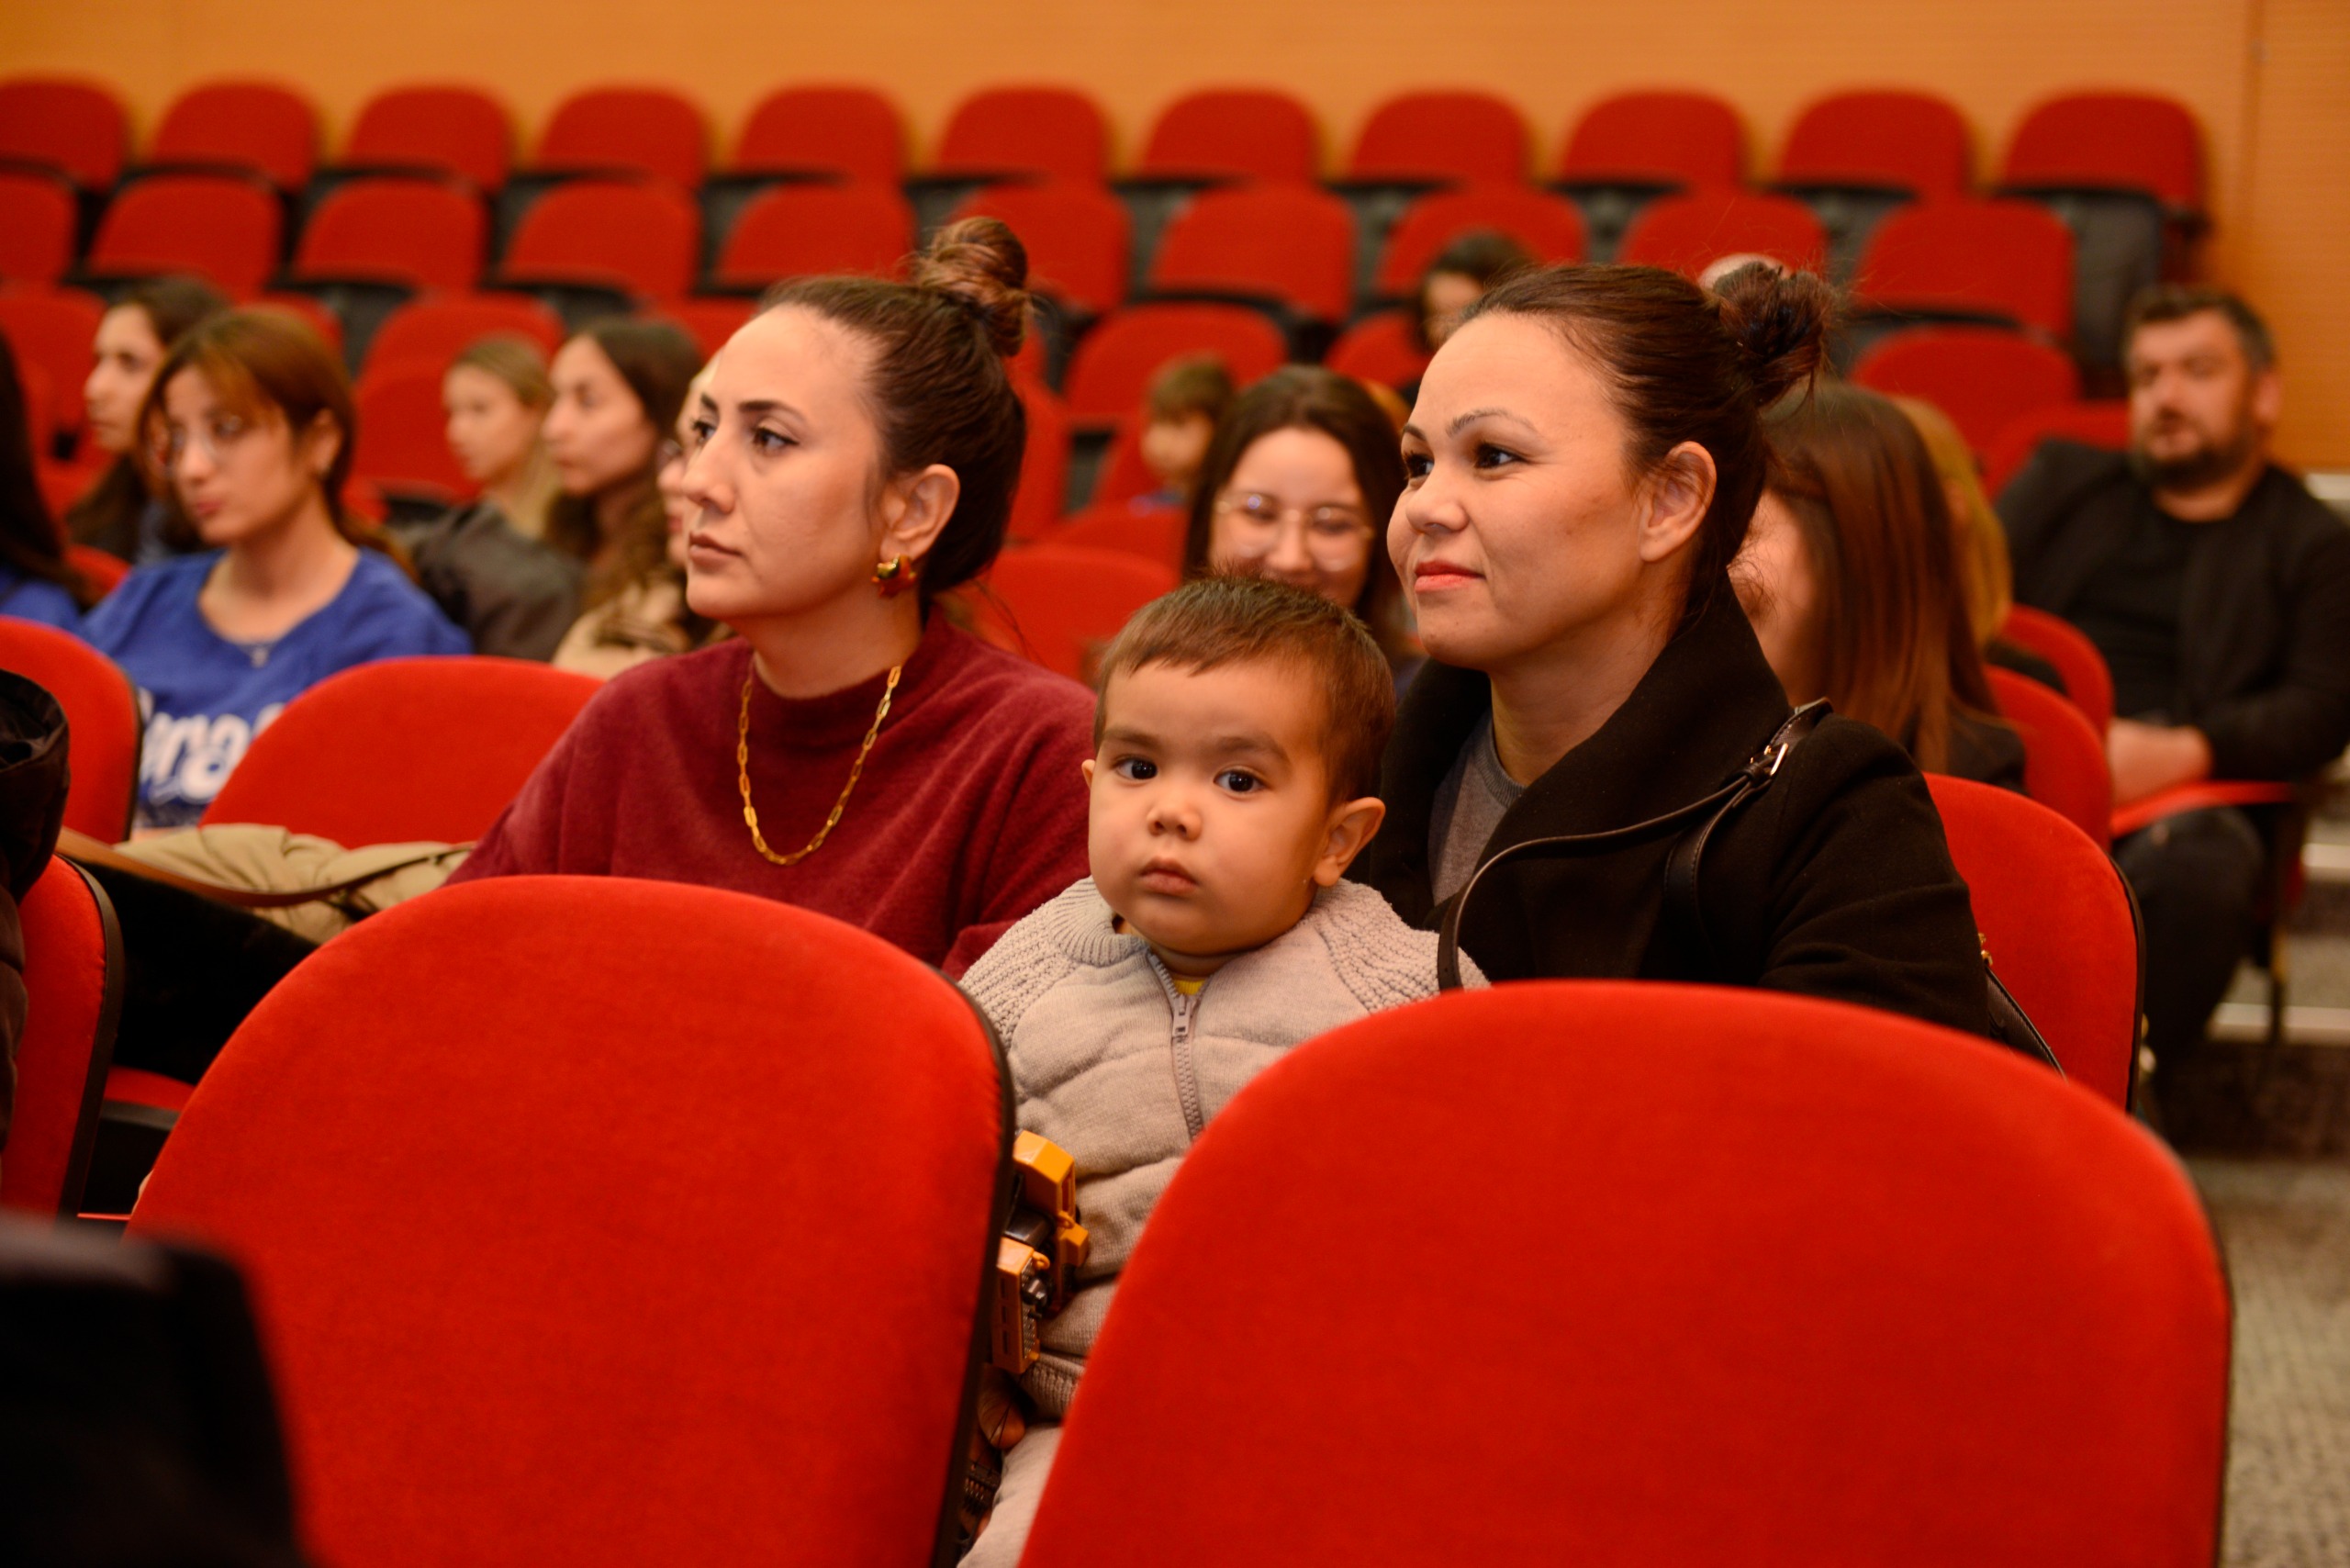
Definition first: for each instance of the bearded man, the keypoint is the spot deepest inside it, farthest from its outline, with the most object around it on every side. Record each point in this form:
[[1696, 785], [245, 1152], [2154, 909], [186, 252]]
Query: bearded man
[[2217, 588]]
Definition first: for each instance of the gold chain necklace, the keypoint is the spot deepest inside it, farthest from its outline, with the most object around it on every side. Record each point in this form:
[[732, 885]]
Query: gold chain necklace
[[743, 772]]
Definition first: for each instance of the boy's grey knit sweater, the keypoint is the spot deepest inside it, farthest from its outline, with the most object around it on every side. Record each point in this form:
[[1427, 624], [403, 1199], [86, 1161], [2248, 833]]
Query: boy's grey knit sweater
[[1115, 1064]]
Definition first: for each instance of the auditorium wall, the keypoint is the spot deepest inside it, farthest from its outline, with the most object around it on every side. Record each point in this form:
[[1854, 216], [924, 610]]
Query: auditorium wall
[[2265, 77]]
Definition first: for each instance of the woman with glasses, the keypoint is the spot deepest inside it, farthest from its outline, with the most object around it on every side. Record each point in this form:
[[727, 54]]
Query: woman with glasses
[[249, 424], [1298, 485]]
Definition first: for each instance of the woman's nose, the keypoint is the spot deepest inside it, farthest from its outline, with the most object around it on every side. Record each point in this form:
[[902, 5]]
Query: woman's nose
[[699, 481], [1288, 561]]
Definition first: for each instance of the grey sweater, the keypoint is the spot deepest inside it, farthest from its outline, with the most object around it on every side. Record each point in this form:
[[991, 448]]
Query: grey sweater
[[1113, 1063]]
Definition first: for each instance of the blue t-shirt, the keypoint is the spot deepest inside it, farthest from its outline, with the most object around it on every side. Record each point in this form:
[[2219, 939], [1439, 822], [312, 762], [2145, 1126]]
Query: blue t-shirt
[[204, 696], [34, 598]]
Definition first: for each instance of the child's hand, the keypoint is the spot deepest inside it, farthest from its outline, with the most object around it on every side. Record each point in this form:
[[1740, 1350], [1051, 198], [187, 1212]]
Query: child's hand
[[1001, 1422]]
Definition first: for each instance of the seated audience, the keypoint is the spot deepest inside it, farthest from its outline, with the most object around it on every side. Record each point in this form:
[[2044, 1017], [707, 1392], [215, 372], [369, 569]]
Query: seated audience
[[36, 583], [1179, 413], [1237, 745], [1459, 277], [249, 421], [1297, 486], [1849, 577], [848, 750], [2218, 590], [1584, 459], [123, 514], [486, 564]]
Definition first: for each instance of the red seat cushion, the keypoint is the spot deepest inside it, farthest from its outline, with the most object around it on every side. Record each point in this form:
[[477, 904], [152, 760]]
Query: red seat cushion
[[1687, 234], [1909, 142], [853, 132], [74, 976], [2063, 761], [1549, 228], [261, 126], [1234, 133], [1113, 363], [102, 711], [1674, 139], [76, 127], [1060, 605], [1977, 375], [1472, 136], [457, 130], [2086, 680], [646, 130], [1051, 132], [222, 226]]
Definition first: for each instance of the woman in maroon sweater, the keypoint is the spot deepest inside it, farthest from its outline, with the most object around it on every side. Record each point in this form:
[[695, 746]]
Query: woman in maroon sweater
[[848, 750]]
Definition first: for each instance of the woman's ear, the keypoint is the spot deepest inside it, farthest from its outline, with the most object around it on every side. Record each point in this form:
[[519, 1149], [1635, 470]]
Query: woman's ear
[[1352, 825], [914, 510], [319, 445], [1679, 493]]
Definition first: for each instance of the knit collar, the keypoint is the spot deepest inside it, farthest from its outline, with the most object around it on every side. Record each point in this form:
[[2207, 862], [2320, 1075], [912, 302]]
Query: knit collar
[[840, 718], [1082, 924]]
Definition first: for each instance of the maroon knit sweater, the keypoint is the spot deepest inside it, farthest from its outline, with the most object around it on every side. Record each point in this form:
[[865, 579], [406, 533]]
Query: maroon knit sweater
[[971, 812]]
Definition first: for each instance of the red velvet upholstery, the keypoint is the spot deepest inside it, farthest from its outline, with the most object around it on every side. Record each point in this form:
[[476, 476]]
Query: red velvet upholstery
[[270, 130], [1155, 534], [2009, 259], [1059, 604], [1674, 139], [1123, 475], [420, 233], [440, 327], [2056, 921], [2199, 797], [644, 130], [37, 220], [1249, 133], [224, 227], [1546, 225], [1079, 238], [1689, 232], [642, 238], [853, 132], [77, 126], [1476, 138], [1978, 375], [74, 976], [54, 327], [403, 430], [1114, 362], [709, 319], [404, 750], [1381, 347], [1632, 1273], [2064, 763], [1895, 140], [2126, 140], [2105, 424], [590, 1220], [133, 1086], [106, 571], [102, 711], [308, 310], [803, 231], [1037, 504], [1050, 132], [455, 131], [1292, 243], [2086, 680]]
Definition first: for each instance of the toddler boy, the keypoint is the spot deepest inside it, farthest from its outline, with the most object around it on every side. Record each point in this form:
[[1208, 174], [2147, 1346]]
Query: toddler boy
[[1236, 747], [1180, 411]]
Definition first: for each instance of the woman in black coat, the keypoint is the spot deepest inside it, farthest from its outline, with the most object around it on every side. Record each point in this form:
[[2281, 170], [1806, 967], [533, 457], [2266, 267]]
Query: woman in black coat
[[1584, 459]]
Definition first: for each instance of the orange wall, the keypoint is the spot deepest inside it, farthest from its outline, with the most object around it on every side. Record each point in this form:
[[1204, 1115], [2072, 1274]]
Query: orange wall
[[2266, 77]]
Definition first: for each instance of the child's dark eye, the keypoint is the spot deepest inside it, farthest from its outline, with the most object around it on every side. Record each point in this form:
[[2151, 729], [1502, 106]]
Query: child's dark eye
[[1134, 770], [1239, 780]]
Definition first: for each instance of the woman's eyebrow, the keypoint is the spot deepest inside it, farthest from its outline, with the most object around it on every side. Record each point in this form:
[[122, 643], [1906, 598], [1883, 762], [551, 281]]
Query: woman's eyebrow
[[1463, 421]]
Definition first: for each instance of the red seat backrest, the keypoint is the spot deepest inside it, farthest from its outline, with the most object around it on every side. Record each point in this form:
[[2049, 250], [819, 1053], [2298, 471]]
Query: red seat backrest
[[2007, 258], [1294, 243], [440, 327], [2086, 680], [537, 1206], [851, 131], [1723, 1276], [101, 710], [708, 320], [420, 233], [644, 130], [37, 218], [1545, 225], [1079, 238], [261, 126], [2063, 761], [76, 127], [1977, 375], [2056, 921], [403, 440], [808, 230], [1056, 132], [642, 238], [2105, 424], [55, 329], [1249, 133], [1685, 234], [1155, 534], [1059, 605], [223, 226], [1476, 138], [403, 750], [461, 131], [1114, 362], [1044, 463], [73, 978], [1123, 475], [1382, 347], [2120, 140], [1683, 138], [1910, 141]]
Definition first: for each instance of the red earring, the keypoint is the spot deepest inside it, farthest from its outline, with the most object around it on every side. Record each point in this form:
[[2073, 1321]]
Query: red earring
[[894, 577]]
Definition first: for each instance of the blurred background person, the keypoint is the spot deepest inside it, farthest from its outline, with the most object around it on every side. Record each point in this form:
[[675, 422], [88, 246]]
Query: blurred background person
[[1459, 277], [122, 515], [1187, 396], [36, 583]]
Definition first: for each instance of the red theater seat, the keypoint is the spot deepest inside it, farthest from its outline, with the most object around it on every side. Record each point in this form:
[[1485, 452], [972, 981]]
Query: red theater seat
[[1245, 133], [458, 132], [1060, 605], [2057, 923], [74, 126], [1154, 533], [1047, 132], [1661, 138], [1123, 475], [101, 709], [73, 978], [1043, 465], [417, 233], [1468, 137], [709, 322], [1687, 234], [1548, 226], [2011, 260], [2092, 424], [2064, 757], [851, 132], [1383, 347], [519, 1241], [439, 326], [808, 229], [1978, 375], [403, 441], [258, 126], [404, 749], [1738, 1273], [1079, 238], [642, 130], [37, 218], [2086, 680], [1292, 243], [224, 227], [1113, 363], [2109, 142], [1914, 142], [644, 238]]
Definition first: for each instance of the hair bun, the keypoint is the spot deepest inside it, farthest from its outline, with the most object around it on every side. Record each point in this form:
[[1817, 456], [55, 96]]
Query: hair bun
[[1780, 321], [981, 262]]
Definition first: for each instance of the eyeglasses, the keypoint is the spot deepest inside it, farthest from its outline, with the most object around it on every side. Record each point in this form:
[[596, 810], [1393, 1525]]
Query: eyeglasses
[[217, 436], [1334, 534]]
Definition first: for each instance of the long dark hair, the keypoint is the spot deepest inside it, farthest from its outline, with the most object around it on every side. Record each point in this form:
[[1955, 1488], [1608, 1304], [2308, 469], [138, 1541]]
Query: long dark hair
[[658, 361], [107, 515], [29, 543], [1304, 397]]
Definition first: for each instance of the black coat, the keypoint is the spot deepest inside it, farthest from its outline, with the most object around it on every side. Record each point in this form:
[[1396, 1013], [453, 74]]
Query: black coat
[[32, 805], [2264, 662], [1833, 882]]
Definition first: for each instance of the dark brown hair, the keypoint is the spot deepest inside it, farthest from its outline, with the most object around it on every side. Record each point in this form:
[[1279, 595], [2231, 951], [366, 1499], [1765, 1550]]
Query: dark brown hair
[[107, 517], [1894, 645], [941, 391], [27, 541], [1683, 364], [658, 361], [1226, 621], [1195, 385], [1483, 256], [2177, 301], [1305, 397]]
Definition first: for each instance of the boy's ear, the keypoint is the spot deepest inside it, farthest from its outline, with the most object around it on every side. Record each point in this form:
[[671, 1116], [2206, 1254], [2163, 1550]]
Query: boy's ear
[[1087, 769], [1352, 825]]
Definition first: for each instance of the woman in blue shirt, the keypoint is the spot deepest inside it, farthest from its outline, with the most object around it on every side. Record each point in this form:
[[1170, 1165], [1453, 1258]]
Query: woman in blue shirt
[[36, 583], [250, 424]]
